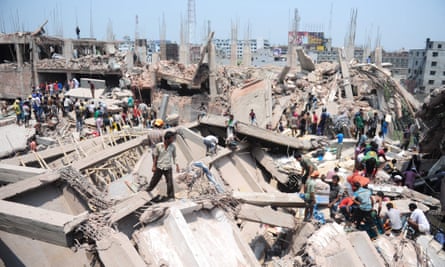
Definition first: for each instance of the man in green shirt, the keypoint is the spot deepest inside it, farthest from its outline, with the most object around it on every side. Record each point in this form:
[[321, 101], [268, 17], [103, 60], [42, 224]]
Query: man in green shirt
[[309, 196]]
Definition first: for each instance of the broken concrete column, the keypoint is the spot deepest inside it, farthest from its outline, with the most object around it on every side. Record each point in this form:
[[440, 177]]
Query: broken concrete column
[[306, 62], [19, 55], [163, 108], [291, 56], [212, 69], [378, 56], [68, 49], [345, 72]]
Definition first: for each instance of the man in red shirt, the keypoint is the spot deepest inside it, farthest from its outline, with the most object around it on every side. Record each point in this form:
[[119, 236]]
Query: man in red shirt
[[345, 207], [314, 123]]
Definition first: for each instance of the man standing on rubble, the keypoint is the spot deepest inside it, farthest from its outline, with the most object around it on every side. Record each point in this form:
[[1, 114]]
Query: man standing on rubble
[[307, 167], [164, 156], [309, 196], [363, 198], [92, 88]]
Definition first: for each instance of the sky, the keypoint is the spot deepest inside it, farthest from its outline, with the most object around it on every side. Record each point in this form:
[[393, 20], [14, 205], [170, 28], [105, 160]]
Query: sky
[[401, 24]]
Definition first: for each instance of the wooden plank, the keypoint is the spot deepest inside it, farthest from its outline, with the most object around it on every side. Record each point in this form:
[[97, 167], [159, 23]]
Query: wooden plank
[[49, 177], [266, 215], [48, 153], [117, 250], [37, 223], [260, 133], [12, 173], [97, 157], [268, 163], [265, 199]]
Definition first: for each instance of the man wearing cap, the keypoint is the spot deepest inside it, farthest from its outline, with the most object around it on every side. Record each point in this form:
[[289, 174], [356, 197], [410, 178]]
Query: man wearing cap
[[164, 156], [309, 196]]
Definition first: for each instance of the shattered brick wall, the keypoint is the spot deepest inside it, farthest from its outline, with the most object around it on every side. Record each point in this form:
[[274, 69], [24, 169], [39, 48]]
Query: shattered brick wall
[[15, 83]]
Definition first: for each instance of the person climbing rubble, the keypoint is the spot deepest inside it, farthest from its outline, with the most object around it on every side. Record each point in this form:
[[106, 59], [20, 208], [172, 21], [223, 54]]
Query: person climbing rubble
[[392, 219], [363, 198], [417, 220], [335, 193], [210, 141], [307, 167], [202, 111], [309, 196], [252, 117]]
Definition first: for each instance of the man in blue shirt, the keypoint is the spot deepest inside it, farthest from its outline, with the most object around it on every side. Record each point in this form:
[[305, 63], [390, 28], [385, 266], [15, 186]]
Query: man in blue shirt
[[339, 144], [363, 198]]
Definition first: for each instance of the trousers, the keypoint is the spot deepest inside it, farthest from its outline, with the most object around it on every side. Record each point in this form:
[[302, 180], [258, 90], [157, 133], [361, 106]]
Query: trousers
[[168, 174]]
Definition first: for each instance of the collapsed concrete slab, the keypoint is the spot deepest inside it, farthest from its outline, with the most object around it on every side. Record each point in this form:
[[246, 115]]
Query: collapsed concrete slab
[[42, 224], [200, 238]]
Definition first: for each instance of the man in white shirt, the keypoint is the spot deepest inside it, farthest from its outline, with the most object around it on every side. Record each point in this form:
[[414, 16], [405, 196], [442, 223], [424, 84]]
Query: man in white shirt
[[210, 141], [418, 220], [393, 216], [378, 139]]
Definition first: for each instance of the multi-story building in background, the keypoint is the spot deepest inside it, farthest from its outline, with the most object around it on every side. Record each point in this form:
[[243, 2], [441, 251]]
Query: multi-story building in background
[[223, 46], [398, 60], [426, 67]]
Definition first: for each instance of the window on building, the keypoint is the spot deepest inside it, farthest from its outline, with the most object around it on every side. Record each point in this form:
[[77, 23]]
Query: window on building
[[433, 72], [430, 45], [439, 46], [415, 71], [443, 82], [416, 62], [409, 70], [423, 54], [435, 54], [430, 81], [433, 63], [443, 73]]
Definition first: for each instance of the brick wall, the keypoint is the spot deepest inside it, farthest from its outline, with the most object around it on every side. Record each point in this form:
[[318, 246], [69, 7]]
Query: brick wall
[[14, 83]]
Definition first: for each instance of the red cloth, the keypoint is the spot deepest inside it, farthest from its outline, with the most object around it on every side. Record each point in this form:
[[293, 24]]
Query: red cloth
[[355, 177], [347, 201]]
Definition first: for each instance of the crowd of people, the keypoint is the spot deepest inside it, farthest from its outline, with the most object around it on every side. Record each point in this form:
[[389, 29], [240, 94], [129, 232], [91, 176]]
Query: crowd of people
[[357, 205]]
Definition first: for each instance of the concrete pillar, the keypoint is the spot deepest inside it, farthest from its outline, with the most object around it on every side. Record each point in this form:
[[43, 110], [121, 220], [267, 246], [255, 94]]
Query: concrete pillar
[[68, 49], [34, 61], [129, 59], [164, 105], [291, 56], [19, 55], [184, 54], [155, 58], [212, 70], [247, 56], [378, 56]]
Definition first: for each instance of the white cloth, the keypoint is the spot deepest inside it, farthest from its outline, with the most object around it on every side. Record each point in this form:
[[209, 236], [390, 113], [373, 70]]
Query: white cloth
[[419, 217]]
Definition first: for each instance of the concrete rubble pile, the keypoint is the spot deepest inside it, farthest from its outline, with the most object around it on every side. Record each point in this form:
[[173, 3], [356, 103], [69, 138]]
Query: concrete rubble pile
[[82, 199], [432, 115]]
